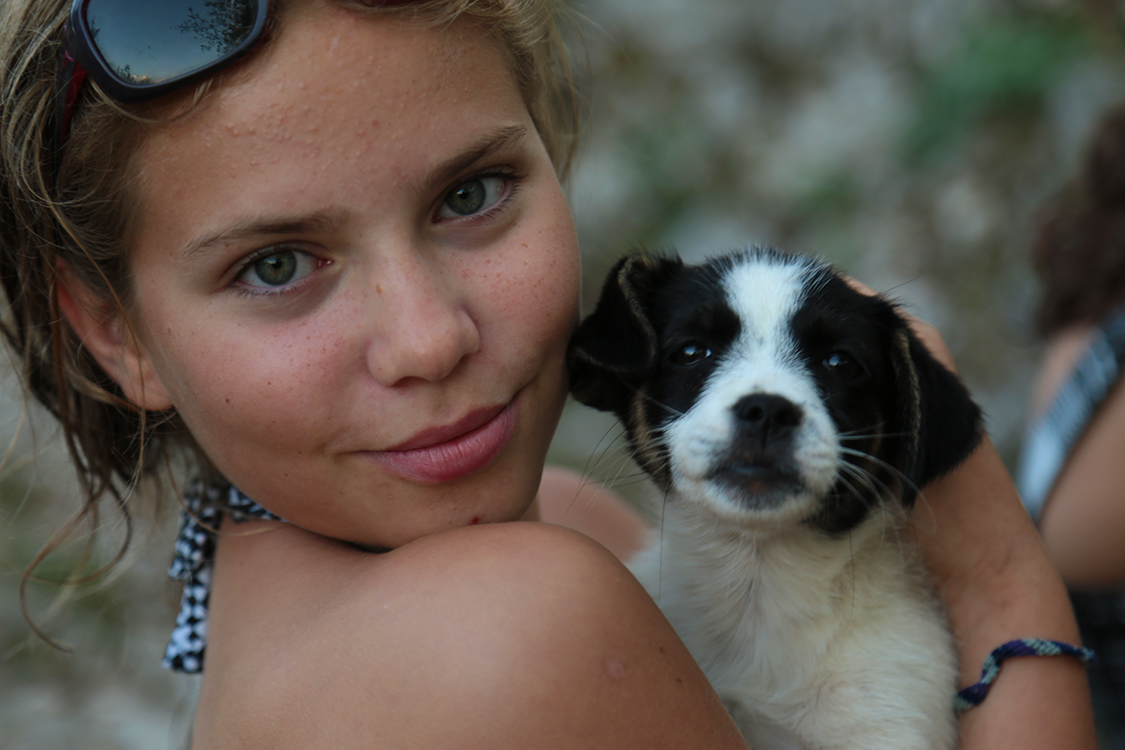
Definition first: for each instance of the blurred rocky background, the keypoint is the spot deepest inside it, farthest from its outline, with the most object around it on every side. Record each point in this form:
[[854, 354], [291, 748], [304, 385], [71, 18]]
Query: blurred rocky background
[[908, 141]]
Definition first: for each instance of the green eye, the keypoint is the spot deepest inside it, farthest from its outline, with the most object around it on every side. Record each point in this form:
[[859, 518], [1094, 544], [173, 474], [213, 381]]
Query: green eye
[[278, 269], [473, 196], [275, 270]]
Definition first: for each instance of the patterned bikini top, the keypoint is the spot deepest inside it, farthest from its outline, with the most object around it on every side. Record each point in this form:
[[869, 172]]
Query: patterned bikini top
[[204, 509]]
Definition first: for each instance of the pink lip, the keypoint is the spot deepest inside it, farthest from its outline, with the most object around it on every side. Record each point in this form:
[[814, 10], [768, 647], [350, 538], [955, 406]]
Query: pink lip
[[441, 454]]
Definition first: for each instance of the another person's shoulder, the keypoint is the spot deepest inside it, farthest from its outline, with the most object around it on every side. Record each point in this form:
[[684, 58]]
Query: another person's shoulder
[[520, 634]]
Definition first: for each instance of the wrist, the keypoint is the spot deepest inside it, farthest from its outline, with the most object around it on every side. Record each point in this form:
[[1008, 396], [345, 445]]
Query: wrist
[[992, 571], [973, 695]]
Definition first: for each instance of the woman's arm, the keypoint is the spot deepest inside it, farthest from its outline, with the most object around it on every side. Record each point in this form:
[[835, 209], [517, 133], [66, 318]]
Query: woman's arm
[[1083, 521], [998, 584]]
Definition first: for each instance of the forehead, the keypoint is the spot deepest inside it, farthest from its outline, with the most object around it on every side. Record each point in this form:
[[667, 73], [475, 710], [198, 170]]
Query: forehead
[[764, 294], [770, 304], [751, 295], [331, 90]]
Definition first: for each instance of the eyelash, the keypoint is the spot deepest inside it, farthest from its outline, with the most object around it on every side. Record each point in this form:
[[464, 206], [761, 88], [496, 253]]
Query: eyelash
[[513, 179], [257, 292]]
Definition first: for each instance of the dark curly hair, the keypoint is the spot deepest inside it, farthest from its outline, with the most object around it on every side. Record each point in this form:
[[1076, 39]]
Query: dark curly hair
[[1079, 244]]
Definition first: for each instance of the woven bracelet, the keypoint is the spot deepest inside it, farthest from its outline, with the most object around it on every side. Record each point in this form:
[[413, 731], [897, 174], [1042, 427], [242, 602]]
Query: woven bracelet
[[974, 695]]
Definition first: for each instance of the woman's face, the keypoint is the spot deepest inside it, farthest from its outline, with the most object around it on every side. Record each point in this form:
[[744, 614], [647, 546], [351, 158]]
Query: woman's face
[[355, 278]]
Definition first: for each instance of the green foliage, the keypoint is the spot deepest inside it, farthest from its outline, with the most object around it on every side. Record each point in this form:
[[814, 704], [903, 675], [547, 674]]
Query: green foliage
[[1005, 67]]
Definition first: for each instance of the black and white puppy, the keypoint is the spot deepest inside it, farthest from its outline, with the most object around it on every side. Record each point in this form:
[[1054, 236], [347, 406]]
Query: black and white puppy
[[789, 421]]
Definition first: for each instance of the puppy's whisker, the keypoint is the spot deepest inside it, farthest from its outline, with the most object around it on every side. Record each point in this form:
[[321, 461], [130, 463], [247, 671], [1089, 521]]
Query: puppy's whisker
[[890, 519], [593, 462], [660, 404], [878, 488], [660, 562], [874, 431], [851, 488], [616, 466], [630, 479], [623, 463], [624, 477], [602, 471], [869, 436], [851, 564], [907, 482], [865, 478], [603, 448]]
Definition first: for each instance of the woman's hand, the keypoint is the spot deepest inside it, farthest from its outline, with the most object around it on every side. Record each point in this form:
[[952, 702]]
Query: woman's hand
[[998, 584], [991, 569]]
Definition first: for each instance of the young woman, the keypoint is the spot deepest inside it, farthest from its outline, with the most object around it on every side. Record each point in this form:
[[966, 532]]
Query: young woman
[[1071, 476], [337, 272]]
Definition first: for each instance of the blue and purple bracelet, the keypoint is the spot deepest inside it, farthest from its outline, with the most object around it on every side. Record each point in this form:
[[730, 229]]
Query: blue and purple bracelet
[[974, 695]]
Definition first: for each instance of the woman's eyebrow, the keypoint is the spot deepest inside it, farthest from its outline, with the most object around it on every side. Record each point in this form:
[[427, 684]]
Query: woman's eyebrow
[[494, 141], [264, 227], [491, 143]]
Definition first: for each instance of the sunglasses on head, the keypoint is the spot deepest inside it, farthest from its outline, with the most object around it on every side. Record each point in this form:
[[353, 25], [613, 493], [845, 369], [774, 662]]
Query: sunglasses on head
[[140, 50]]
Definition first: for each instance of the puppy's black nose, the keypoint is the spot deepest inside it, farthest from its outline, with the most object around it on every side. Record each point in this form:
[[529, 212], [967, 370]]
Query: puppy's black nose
[[767, 416]]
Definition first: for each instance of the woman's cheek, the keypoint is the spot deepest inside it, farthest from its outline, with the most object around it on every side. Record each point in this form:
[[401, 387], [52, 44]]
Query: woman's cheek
[[269, 390]]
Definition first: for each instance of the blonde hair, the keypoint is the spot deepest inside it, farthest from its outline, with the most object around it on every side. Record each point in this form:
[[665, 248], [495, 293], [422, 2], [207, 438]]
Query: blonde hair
[[76, 211]]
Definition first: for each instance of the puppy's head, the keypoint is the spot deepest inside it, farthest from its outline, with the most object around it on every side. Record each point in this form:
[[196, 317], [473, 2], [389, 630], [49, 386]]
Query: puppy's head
[[767, 389]]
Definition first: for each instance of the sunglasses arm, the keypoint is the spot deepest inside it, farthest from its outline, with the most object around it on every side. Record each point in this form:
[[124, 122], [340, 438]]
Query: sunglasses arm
[[72, 75]]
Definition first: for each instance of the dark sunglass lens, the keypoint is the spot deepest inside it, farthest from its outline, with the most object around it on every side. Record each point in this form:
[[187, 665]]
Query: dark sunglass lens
[[150, 41]]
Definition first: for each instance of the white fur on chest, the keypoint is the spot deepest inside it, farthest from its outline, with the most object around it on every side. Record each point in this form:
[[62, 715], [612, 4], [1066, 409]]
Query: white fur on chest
[[811, 643]]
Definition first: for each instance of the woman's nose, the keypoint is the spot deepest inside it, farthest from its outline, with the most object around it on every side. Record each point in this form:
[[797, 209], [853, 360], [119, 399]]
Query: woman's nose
[[424, 329]]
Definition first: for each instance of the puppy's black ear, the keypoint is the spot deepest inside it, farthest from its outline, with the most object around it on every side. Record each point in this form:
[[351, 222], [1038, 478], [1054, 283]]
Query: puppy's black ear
[[940, 422], [616, 345]]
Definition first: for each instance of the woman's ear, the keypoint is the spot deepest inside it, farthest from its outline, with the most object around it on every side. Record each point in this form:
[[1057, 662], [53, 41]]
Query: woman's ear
[[103, 331]]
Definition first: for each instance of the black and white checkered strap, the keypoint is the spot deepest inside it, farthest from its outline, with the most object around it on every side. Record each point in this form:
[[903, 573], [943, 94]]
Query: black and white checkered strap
[[204, 509], [1048, 441]]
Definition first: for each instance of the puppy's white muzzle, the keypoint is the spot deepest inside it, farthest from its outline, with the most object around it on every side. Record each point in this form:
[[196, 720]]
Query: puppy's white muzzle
[[758, 447]]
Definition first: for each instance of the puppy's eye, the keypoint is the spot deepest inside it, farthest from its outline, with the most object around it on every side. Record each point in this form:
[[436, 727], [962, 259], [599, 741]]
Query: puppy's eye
[[843, 365], [690, 354]]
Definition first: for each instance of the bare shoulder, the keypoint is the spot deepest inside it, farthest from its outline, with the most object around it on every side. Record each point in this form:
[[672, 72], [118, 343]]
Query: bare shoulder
[[513, 635]]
